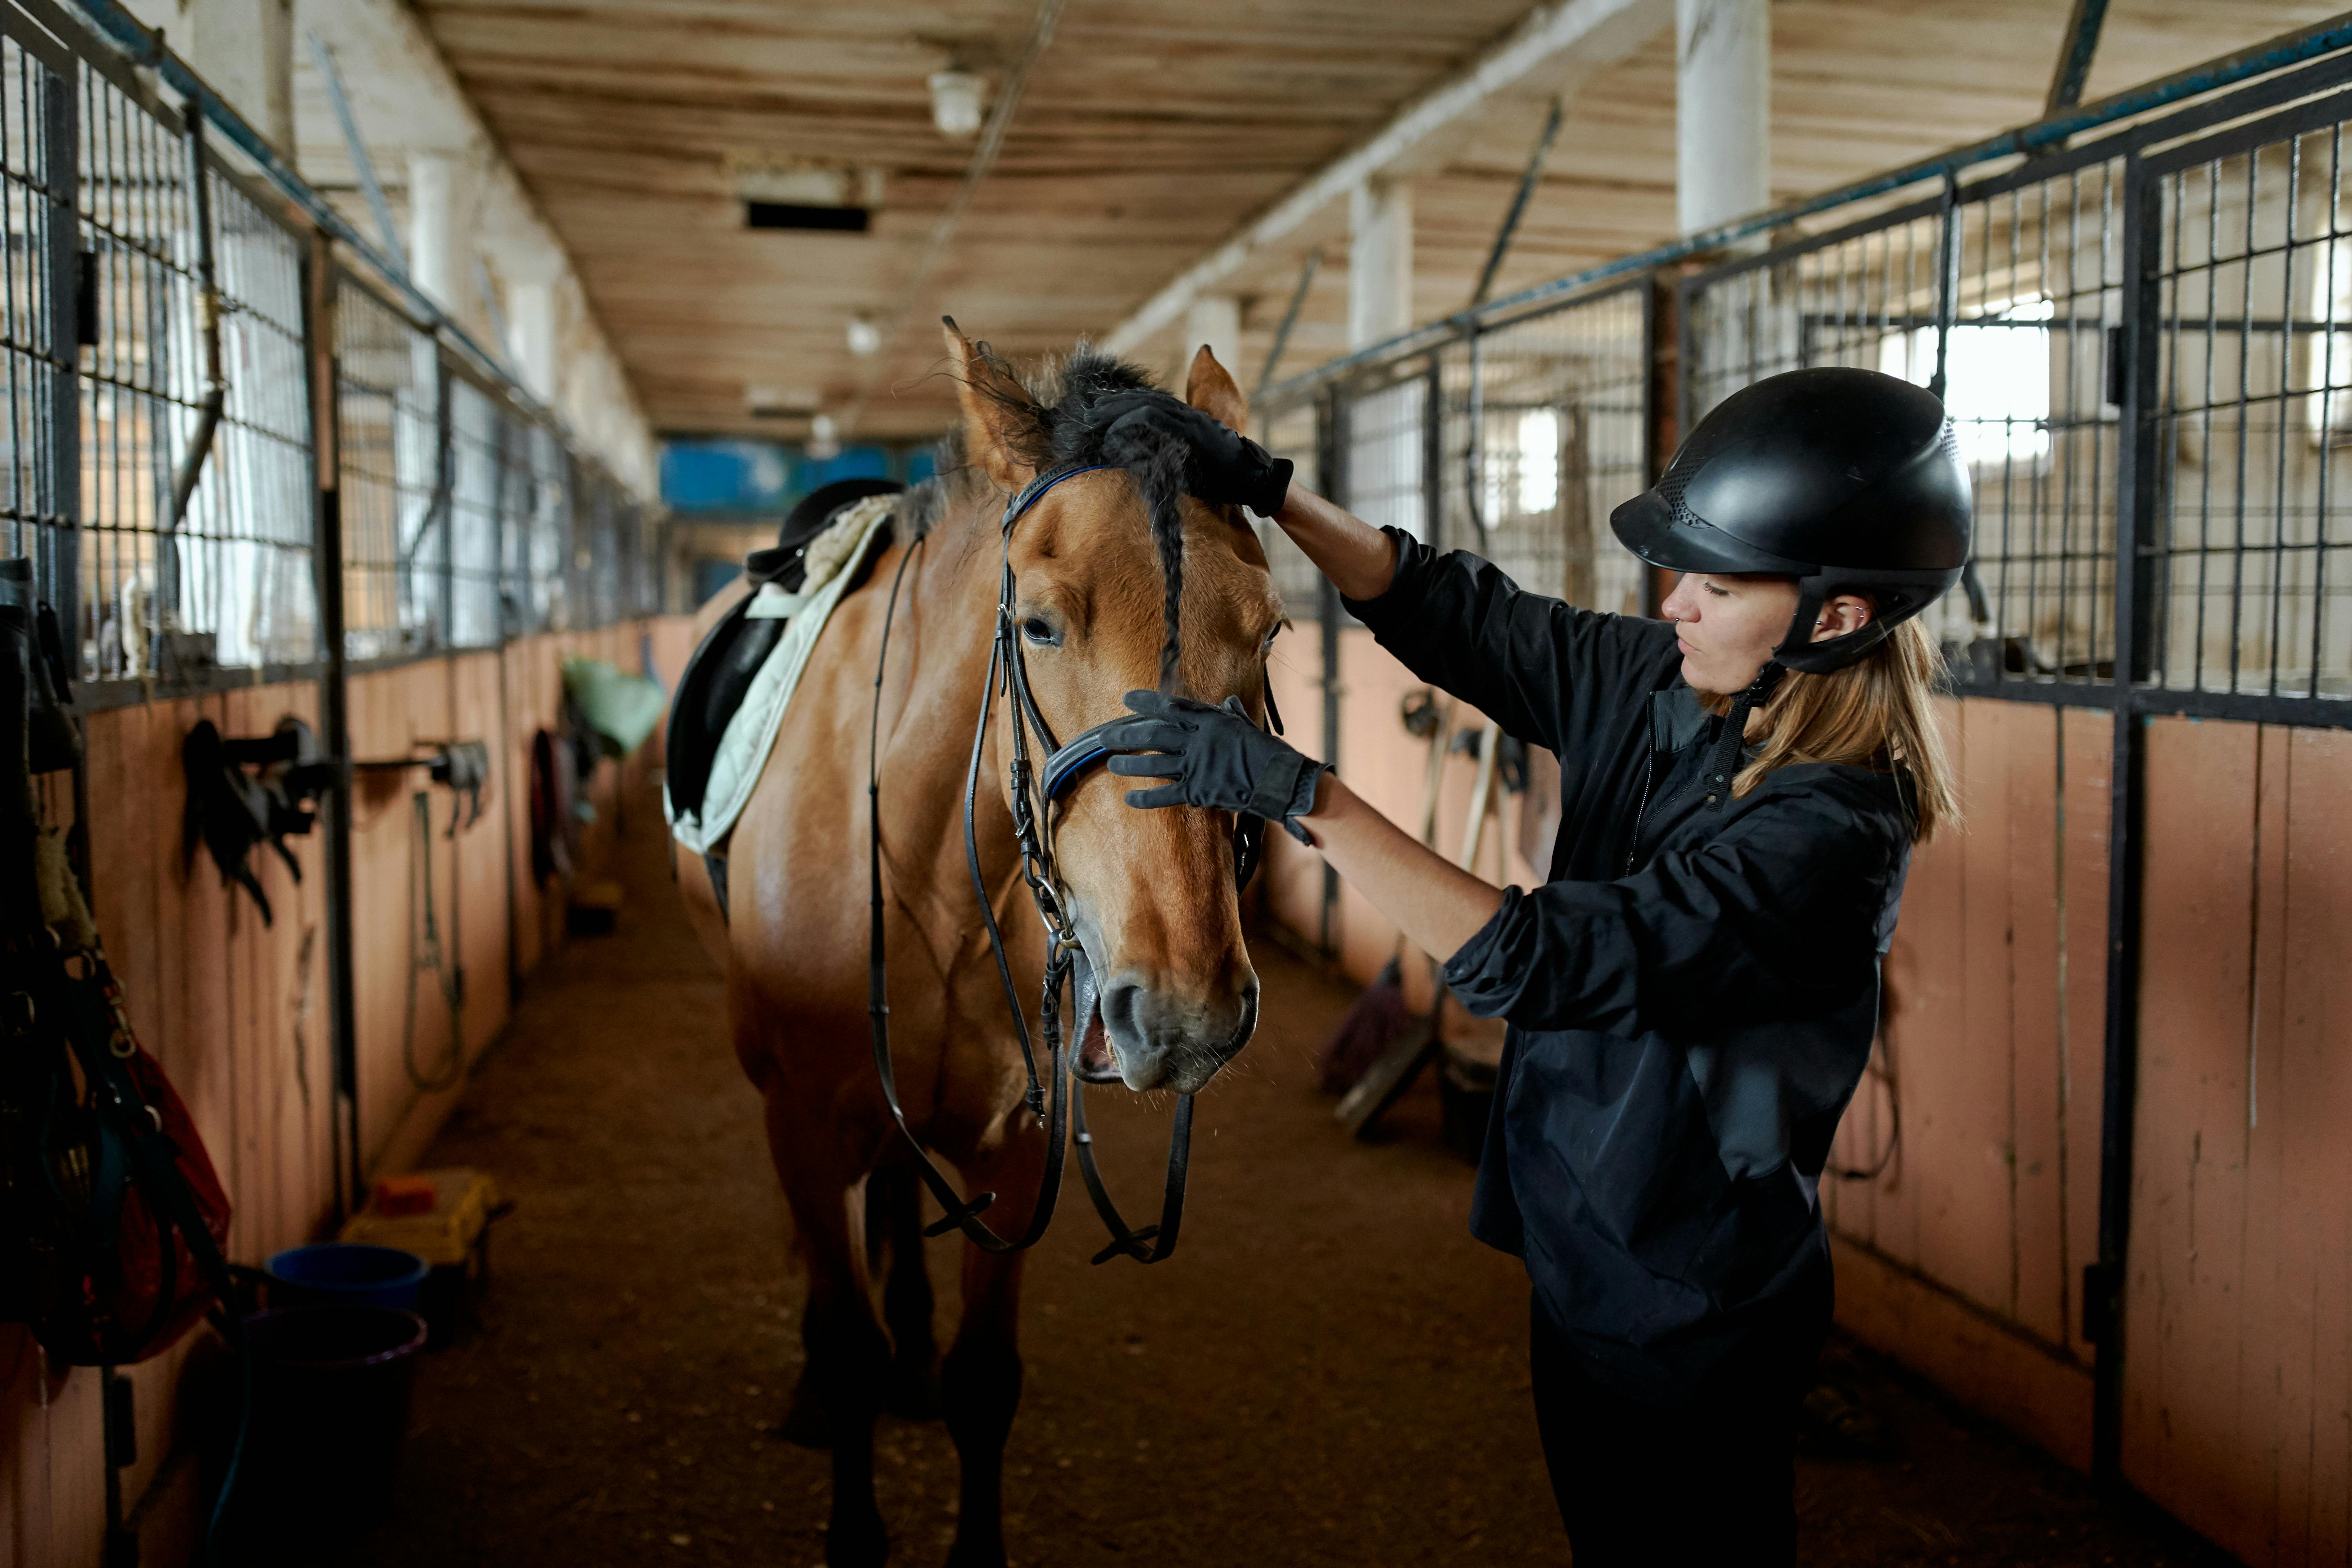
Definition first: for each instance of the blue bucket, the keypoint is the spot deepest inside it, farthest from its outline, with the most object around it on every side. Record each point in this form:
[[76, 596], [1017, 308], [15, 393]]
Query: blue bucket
[[350, 1274], [330, 1388]]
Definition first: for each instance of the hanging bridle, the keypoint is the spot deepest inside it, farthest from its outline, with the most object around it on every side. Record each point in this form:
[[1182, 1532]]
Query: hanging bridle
[[1034, 794]]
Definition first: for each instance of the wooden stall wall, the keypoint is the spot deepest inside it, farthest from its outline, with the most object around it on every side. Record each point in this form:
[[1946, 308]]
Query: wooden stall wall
[[2238, 1330], [237, 1012], [1963, 1187], [1960, 1240], [1386, 764]]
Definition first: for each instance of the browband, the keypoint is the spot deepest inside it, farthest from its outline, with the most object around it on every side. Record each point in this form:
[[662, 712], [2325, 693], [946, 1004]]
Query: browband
[[1033, 492]]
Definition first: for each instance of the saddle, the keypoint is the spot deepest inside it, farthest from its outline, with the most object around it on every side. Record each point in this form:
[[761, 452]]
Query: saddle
[[721, 670]]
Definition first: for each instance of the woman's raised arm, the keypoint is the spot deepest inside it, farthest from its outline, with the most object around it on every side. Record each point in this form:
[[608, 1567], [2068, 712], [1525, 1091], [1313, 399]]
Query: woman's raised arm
[[1359, 559]]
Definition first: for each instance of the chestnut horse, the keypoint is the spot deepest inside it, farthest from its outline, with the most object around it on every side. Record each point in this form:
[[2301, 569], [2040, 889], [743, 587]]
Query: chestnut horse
[[1112, 567]]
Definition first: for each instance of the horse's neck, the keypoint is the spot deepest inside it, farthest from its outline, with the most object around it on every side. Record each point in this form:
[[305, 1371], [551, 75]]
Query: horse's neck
[[948, 607]]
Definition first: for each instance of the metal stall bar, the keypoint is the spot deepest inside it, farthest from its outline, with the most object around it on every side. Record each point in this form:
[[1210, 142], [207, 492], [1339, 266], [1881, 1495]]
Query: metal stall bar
[[1332, 466], [38, 493], [2135, 485], [2271, 60]]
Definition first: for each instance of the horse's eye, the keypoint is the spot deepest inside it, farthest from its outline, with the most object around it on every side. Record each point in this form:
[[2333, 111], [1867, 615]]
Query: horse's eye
[[1038, 631]]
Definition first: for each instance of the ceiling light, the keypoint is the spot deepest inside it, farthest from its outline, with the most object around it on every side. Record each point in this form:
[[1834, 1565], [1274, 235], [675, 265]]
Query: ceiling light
[[957, 99], [824, 441], [865, 337]]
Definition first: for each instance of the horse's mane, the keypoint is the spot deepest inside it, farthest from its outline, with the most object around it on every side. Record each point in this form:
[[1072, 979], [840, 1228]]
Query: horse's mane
[[1054, 430]]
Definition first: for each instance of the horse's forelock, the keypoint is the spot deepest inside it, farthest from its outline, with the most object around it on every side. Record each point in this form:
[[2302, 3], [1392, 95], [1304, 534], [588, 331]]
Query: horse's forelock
[[1055, 428]]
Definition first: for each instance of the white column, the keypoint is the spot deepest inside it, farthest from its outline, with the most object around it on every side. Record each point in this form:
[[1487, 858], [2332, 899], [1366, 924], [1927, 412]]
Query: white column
[[1215, 319], [530, 318], [277, 75], [1380, 261], [1723, 111], [432, 226]]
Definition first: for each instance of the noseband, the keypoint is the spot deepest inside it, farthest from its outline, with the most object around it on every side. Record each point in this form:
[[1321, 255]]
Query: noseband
[[1034, 794]]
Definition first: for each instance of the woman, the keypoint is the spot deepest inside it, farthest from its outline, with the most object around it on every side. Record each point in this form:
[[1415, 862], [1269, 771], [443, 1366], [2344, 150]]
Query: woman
[[1693, 992]]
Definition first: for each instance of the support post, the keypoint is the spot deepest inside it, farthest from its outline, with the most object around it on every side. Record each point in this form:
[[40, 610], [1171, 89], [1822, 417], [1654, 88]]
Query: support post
[[1331, 458], [432, 218], [2140, 438], [1433, 453], [1664, 330], [1723, 111], [334, 715], [60, 175], [1380, 261], [1215, 319]]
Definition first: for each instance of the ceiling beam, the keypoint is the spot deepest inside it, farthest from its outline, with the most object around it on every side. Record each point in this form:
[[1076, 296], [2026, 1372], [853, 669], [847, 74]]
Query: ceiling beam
[[1591, 32]]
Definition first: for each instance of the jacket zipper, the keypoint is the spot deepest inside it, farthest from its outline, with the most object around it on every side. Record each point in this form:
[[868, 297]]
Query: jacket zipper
[[1641, 812]]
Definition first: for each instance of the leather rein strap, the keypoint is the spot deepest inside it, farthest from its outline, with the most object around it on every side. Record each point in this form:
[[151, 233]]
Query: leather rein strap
[[1033, 792]]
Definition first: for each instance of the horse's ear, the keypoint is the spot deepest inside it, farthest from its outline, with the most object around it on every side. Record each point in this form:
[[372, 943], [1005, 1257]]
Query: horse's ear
[[1212, 391], [998, 419]]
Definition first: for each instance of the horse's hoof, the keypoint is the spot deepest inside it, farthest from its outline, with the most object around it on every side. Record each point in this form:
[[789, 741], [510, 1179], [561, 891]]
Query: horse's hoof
[[914, 1392], [805, 1424], [859, 1542], [969, 1553]]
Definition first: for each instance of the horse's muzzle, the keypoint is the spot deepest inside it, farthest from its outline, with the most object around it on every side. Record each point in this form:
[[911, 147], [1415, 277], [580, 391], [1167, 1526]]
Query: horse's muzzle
[[1161, 1039]]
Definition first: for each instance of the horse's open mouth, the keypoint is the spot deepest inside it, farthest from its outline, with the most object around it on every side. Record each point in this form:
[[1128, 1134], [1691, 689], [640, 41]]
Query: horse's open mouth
[[1097, 1059]]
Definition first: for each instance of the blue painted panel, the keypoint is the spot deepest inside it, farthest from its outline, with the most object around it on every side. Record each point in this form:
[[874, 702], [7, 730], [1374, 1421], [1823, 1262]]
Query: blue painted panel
[[725, 476]]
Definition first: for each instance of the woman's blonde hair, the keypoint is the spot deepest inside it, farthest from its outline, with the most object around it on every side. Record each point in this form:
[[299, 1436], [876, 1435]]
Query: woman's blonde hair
[[1878, 713]]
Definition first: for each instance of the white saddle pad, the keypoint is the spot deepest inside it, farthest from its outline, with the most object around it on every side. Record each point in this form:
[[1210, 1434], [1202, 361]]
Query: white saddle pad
[[751, 732]]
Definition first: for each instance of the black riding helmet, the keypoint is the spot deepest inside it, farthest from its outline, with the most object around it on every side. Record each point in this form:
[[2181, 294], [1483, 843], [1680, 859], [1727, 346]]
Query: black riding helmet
[[1848, 480]]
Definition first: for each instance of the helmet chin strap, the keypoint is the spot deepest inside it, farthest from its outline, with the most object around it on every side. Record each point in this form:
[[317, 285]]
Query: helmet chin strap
[[1725, 764]]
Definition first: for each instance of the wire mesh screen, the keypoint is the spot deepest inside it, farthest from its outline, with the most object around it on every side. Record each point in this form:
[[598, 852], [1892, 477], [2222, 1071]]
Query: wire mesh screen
[[533, 507], [1560, 404], [36, 334], [2253, 419], [2039, 287], [228, 581], [1385, 439], [254, 499], [595, 565], [477, 471], [2035, 282], [388, 389], [1293, 434]]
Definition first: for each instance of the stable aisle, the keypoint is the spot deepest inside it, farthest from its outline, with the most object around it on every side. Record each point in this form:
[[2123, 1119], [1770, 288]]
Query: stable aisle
[[1328, 1371]]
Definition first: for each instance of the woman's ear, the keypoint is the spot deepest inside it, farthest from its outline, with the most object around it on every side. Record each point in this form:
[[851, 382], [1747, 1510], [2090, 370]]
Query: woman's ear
[[1843, 615], [997, 412]]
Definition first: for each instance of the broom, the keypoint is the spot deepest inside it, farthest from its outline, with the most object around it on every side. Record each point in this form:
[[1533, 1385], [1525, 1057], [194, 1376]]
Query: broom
[[1375, 1020], [1383, 1083]]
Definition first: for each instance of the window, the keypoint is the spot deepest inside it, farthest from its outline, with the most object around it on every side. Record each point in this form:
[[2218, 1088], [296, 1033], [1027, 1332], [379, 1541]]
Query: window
[[1996, 379]]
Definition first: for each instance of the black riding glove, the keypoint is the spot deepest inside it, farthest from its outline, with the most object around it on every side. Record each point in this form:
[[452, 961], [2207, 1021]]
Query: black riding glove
[[1221, 468], [1217, 757]]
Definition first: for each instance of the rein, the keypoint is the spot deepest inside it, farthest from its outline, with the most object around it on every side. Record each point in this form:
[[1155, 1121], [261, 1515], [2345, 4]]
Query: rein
[[1064, 764]]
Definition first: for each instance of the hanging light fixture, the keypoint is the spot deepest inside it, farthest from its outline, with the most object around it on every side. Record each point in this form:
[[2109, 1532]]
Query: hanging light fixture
[[823, 440], [958, 98]]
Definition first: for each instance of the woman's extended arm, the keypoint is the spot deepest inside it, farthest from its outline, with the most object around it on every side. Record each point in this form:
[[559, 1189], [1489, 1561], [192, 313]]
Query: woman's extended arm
[[1359, 559], [1437, 905]]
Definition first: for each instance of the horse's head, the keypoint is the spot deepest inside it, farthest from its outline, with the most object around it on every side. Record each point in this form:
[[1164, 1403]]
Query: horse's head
[[1123, 581]]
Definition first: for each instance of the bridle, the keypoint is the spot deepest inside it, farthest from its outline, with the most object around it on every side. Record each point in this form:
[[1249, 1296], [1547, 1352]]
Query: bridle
[[1033, 792]]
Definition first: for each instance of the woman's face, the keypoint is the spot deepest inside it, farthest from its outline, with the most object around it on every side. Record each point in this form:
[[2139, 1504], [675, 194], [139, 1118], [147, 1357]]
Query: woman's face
[[1729, 626]]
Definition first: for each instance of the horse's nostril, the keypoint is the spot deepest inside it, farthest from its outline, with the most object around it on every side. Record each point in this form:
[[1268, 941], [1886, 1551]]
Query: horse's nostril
[[1122, 1009]]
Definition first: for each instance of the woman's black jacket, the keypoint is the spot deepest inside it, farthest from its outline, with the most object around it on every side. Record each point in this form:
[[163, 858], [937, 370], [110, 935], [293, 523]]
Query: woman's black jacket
[[1692, 994]]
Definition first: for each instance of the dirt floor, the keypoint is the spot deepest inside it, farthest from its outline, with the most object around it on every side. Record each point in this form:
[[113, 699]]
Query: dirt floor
[[1330, 1371]]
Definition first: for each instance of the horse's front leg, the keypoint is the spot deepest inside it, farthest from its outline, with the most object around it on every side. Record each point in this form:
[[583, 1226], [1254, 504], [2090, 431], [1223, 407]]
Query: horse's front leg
[[979, 1383], [894, 1248], [848, 1354]]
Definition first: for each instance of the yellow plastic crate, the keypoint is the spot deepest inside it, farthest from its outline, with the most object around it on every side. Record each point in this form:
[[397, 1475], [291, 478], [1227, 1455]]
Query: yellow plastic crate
[[450, 1236]]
